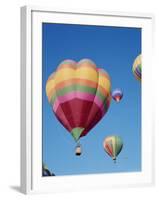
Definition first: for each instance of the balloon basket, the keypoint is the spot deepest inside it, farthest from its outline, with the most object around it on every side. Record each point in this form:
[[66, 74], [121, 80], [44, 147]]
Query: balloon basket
[[78, 150], [114, 161]]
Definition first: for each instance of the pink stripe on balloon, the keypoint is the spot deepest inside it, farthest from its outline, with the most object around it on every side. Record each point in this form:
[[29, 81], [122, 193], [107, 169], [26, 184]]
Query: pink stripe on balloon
[[79, 95]]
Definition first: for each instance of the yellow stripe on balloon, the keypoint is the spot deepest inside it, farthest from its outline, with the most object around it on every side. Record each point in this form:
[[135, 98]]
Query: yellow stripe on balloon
[[87, 73], [64, 74], [49, 85], [104, 82], [137, 60], [84, 73]]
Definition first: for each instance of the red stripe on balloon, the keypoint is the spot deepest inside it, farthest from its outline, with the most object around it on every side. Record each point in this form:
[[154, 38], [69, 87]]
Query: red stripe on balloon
[[95, 116], [77, 112], [60, 115], [109, 150]]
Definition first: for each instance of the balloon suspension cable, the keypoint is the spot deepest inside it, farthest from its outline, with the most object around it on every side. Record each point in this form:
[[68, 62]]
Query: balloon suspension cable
[[78, 143]]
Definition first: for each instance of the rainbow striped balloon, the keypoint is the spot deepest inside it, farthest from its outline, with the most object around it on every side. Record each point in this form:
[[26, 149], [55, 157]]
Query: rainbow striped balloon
[[113, 146], [79, 94], [137, 66]]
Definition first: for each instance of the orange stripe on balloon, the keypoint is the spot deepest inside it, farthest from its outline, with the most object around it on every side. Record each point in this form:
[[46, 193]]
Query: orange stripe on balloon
[[109, 150], [75, 81]]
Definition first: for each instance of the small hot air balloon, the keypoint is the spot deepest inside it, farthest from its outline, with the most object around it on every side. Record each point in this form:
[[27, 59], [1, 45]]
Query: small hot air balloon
[[117, 95], [46, 171], [113, 146], [137, 67], [79, 94]]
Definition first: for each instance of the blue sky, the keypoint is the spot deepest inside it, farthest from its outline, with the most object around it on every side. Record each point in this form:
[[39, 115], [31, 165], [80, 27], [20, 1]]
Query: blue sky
[[111, 48]]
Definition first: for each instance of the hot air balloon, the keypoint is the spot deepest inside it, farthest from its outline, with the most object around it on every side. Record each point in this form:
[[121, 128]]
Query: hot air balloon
[[117, 95], [46, 171], [79, 94], [137, 67], [113, 146]]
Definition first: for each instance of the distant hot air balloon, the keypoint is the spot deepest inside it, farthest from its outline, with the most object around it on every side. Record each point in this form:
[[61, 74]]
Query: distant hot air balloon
[[113, 146], [46, 171], [117, 95], [79, 94], [137, 67]]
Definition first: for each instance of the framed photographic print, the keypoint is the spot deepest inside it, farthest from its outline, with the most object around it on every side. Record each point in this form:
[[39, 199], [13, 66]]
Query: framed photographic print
[[86, 117]]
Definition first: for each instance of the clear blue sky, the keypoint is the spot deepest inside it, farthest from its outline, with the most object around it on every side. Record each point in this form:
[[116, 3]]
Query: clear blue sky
[[114, 49]]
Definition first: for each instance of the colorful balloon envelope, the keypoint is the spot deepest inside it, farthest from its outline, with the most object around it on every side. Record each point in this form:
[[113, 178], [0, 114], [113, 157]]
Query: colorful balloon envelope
[[79, 94], [137, 67], [113, 146], [117, 95]]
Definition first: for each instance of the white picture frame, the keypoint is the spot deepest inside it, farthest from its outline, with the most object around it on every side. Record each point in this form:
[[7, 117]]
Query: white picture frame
[[31, 101]]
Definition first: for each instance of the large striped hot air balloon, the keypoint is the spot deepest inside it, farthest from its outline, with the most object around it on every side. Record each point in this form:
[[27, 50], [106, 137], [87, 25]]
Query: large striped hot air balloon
[[113, 146], [137, 67], [79, 94]]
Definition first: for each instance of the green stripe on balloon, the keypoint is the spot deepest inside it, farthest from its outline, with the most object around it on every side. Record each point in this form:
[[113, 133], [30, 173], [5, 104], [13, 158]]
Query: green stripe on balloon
[[139, 66], [80, 88], [72, 88], [116, 146], [119, 144]]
